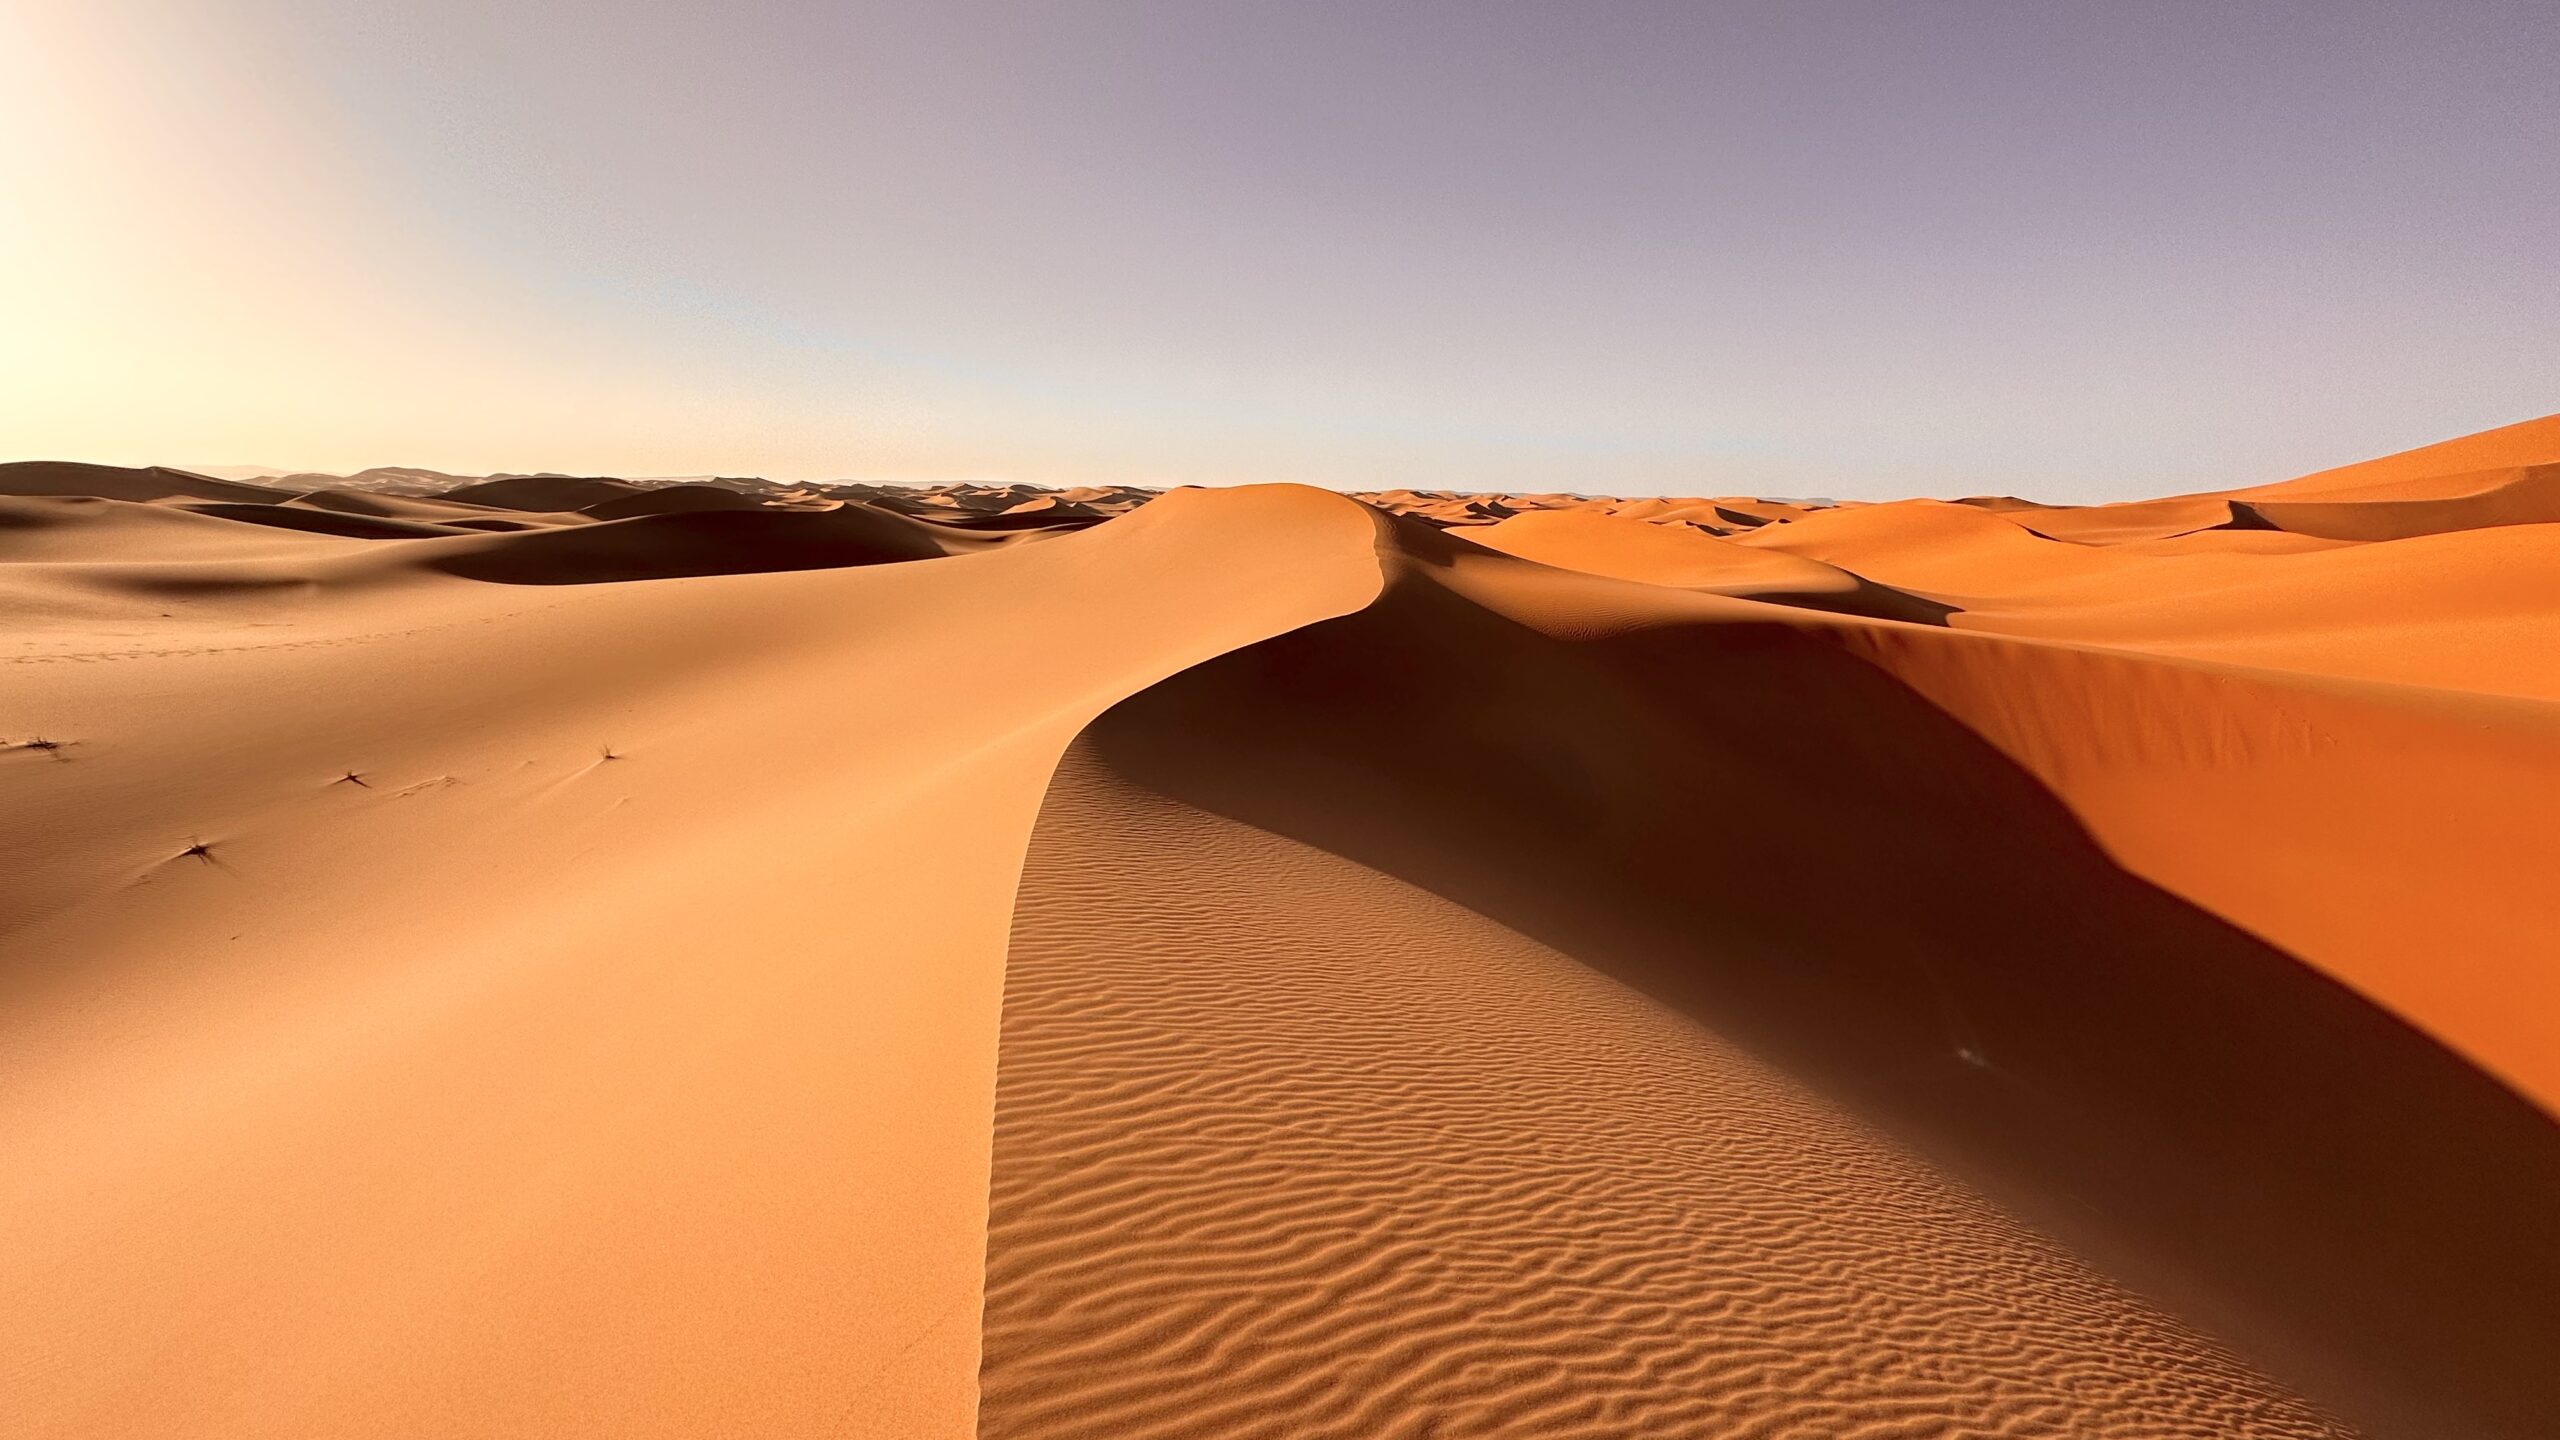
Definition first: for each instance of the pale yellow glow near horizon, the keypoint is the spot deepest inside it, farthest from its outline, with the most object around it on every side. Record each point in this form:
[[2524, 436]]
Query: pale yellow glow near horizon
[[196, 275], [202, 265], [1862, 251]]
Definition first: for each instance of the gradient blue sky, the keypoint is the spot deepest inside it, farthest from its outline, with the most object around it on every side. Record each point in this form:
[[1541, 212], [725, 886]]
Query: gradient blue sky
[[2073, 251]]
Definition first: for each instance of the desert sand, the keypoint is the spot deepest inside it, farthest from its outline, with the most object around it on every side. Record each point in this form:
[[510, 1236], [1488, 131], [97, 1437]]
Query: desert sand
[[551, 955]]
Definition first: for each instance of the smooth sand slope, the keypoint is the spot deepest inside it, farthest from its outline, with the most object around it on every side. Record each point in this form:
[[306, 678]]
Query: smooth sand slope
[[580, 1016], [529, 956]]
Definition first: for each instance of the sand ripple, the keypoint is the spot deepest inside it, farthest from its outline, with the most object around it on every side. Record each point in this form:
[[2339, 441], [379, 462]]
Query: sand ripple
[[1285, 1147]]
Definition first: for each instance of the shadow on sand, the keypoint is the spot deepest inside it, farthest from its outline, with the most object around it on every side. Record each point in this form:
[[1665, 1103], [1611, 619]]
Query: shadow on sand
[[1776, 836]]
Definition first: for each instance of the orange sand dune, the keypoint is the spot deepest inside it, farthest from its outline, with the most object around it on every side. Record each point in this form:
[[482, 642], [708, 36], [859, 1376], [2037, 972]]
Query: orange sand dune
[[545, 492], [2114, 524], [2526, 495], [403, 507], [580, 1017], [672, 500], [563, 955], [2464, 611], [110, 482], [1289, 1147], [693, 540], [2448, 468], [1659, 554], [1683, 557], [2136, 1073]]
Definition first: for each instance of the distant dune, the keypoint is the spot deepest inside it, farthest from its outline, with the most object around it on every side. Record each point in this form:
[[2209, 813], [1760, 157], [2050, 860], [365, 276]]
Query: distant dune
[[544, 955]]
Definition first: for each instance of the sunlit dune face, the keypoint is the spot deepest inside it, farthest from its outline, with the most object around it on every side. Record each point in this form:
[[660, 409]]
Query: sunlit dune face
[[666, 770], [577, 951]]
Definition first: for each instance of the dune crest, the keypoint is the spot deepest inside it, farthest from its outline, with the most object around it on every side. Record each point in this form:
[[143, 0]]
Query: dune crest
[[548, 954], [591, 1030]]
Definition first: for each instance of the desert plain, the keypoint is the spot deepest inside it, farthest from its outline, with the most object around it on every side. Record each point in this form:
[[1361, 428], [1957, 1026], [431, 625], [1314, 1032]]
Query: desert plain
[[547, 955]]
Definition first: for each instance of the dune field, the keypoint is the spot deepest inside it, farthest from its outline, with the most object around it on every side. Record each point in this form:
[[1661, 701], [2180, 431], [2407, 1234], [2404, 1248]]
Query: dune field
[[545, 955]]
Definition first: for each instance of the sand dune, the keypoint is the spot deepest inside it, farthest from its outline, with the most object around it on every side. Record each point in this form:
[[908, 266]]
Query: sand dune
[[561, 955], [392, 507], [698, 541], [545, 492], [672, 500], [1684, 557], [1997, 985], [581, 1013], [1286, 1147], [112, 482], [2139, 520], [2449, 467], [2527, 495]]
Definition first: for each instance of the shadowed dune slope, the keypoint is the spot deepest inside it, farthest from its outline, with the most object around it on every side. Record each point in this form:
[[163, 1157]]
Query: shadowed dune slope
[[1286, 1147], [1525, 964], [396, 507], [84, 529], [1842, 844], [112, 482], [2374, 830], [696, 542], [672, 500], [545, 492], [2529, 495], [342, 523]]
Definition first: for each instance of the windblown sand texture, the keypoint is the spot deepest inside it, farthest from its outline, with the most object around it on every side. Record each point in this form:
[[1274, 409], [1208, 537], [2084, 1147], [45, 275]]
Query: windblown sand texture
[[548, 955]]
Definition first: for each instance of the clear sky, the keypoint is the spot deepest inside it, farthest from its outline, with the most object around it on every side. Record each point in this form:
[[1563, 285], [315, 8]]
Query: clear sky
[[2076, 251]]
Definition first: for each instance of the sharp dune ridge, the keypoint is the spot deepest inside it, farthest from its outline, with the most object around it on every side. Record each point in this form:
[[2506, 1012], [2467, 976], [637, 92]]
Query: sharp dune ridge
[[539, 955]]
